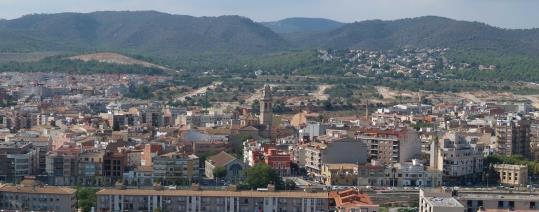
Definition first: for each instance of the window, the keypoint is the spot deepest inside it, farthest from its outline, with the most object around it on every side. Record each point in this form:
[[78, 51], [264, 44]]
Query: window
[[532, 205], [500, 204]]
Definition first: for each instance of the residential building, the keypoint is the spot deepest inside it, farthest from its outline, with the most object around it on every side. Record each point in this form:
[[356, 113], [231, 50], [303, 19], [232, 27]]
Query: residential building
[[176, 168], [460, 160], [62, 166], [411, 174], [30, 195], [17, 159], [339, 151], [513, 136], [499, 201], [150, 151], [396, 145], [113, 166], [279, 160], [91, 168], [209, 200], [340, 174]]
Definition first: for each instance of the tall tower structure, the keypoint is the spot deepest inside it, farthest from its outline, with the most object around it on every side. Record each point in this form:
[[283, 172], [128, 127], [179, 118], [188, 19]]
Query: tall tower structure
[[266, 111]]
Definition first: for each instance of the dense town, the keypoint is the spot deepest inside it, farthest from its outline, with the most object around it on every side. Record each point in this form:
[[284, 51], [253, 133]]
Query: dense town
[[61, 133]]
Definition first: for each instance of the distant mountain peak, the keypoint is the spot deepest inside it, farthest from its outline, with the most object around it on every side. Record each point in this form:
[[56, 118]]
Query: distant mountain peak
[[303, 25]]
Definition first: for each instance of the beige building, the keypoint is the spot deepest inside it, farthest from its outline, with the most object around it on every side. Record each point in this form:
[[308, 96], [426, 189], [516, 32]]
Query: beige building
[[512, 175], [209, 200], [176, 168], [342, 174], [394, 145], [499, 200], [458, 158], [33, 196], [337, 151]]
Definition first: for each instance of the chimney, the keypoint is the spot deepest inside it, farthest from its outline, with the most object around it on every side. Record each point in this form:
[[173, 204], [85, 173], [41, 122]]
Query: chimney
[[271, 187], [232, 188], [195, 187]]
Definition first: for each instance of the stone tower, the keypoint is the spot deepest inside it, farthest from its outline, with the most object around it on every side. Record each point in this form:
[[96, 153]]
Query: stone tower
[[266, 111]]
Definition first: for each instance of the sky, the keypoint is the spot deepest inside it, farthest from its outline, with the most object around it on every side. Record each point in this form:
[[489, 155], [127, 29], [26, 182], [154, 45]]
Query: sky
[[501, 13]]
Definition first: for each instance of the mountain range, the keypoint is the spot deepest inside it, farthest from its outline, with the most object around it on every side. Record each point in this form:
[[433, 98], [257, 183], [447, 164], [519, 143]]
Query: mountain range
[[172, 36]]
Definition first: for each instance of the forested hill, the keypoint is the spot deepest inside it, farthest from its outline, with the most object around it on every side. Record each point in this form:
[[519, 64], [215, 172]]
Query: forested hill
[[161, 34], [147, 32], [430, 32], [303, 25]]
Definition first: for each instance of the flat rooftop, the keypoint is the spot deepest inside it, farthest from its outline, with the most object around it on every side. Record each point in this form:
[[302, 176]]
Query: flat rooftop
[[445, 202], [213, 193], [500, 196]]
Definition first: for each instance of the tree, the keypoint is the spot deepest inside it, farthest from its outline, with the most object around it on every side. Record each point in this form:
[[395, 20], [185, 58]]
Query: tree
[[219, 172], [289, 185], [86, 198], [260, 175], [255, 106]]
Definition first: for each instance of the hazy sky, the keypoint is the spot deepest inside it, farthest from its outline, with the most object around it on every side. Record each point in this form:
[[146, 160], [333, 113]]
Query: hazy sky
[[502, 13]]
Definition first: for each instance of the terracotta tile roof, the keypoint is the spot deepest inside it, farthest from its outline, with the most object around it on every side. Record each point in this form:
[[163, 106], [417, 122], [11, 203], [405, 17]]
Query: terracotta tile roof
[[351, 198], [221, 159], [37, 189]]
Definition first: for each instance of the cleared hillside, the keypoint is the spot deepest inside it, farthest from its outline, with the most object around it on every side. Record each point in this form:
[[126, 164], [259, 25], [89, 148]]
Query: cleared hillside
[[108, 57]]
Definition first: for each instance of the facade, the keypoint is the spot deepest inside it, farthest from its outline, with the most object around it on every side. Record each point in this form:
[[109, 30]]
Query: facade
[[17, 159], [32, 196], [150, 151], [91, 168], [458, 158], [512, 175], [340, 151], [513, 137], [396, 145], [62, 167], [411, 174], [343, 174], [176, 168], [278, 160], [499, 201], [206, 200], [113, 167]]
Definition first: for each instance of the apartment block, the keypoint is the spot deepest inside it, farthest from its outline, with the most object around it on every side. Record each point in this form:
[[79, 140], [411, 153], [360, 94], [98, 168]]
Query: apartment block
[[209, 200], [31, 195], [395, 145]]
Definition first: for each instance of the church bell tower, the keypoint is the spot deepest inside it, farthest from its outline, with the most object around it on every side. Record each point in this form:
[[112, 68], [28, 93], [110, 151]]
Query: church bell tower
[[266, 111]]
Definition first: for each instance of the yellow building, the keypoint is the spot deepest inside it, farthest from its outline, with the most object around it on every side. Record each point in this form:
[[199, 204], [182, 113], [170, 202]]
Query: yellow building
[[342, 174], [512, 175]]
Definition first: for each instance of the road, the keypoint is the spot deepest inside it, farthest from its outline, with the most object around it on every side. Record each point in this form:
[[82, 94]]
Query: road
[[198, 91]]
